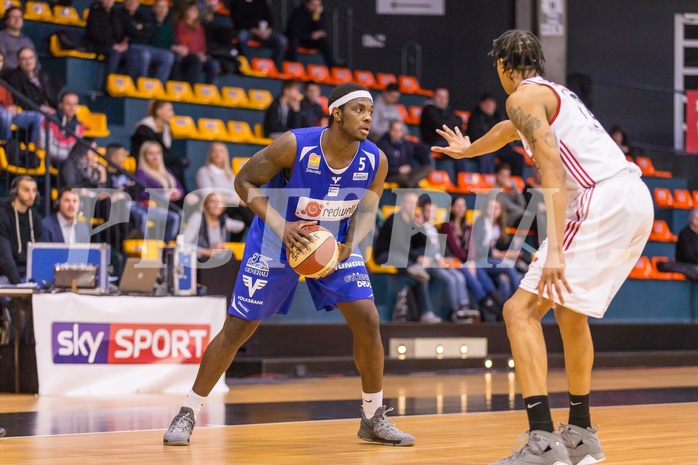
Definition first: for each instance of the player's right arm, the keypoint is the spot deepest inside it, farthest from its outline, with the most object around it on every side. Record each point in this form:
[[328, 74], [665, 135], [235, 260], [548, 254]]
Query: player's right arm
[[459, 146], [264, 165]]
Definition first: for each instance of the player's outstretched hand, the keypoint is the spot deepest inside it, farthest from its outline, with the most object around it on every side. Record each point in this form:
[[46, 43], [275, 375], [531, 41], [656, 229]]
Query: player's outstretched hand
[[295, 238], [457, 142]]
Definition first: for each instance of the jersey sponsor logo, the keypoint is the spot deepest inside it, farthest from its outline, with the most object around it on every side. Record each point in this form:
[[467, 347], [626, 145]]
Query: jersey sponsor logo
[[360, 176], [257, 265], [351, 264], [325, 210], [336, 179], [333, 191], [314, 161], [128, 343], [249, 301], [357, 277], [253, 285]]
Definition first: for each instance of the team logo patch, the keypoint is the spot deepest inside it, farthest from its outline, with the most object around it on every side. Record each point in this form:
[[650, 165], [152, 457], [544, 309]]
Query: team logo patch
[[257, 265], [253, 285], [314, 161], [360, 176]]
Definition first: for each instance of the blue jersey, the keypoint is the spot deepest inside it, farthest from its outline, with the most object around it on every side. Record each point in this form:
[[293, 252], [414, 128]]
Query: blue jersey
[[314, 192]]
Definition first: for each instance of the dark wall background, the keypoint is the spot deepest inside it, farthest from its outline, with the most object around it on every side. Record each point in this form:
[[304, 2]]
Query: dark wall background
[[624, 47]]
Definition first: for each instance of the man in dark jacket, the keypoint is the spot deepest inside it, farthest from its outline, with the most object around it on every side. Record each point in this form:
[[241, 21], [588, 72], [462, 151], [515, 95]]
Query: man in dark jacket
[[434, 116], [407, 165], [63, 226], [307, 27], [283, 113], [138, 27], [252, 20], [105, 35]]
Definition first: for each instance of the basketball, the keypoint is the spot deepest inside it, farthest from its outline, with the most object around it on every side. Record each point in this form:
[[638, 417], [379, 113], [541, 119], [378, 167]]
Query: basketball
[[320, 258]]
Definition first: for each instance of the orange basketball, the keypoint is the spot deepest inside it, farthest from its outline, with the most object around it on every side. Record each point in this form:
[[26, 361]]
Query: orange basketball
[[320, 258]]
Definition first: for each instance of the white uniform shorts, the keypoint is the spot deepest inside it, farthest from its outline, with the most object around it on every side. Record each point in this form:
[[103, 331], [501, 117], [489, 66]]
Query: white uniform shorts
[[606, 229]]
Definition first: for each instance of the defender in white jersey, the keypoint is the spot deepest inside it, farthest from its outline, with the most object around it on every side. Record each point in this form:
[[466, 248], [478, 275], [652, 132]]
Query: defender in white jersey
[[599, 218]]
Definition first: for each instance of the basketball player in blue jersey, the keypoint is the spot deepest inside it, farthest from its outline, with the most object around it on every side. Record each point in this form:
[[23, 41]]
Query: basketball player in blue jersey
[[600, 216], [331, 176]]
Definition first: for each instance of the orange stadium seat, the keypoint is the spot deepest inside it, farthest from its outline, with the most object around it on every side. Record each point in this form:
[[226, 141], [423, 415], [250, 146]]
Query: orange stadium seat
[[259, 99], [183, 127], [410, 85], [150, 88], [468, 182], [5, 4], [489, 179], [267, 67], [695, 198], [295, 70], [656, 274], [341, 75], [319, 74], [324, 103], [246, 69], [235, 97], [661, 232], [207, 94], [403, 112], [121, 85], [465, 116], [642, 269], [663, 197], [179, 91], [415, 112], [648, 169], [383, 79], [683, 199], [213, 129], [365, 78], [440, 179]]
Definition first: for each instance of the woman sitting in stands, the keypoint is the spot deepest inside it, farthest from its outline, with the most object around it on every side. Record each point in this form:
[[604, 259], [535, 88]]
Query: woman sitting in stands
[[197, 65], [217, 174], [156, 127], [458, 235], [209, 228], [492, 252], [30, 121], [82, 169], [152, 174]]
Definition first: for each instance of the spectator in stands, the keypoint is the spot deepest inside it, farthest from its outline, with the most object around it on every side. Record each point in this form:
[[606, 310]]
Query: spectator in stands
[[397, 246], [439, 269], [62, 127], [283, 113], [435, 114], [407, 165], [252, 19], [385, 110], [11, 38], [63, 225], [458, 235], [621, 139], [138, 28], [307, 27], [535, 205], [32, 82], [210, 228], [28, 120], [686, 251], [82, 169], [311, 113], [511, 197], [217, 174], [129, 191], [156, 127], [152, 174], [491, 242], [105, 35], [482, 119], [19, 224], [163, 37], [196, 65]]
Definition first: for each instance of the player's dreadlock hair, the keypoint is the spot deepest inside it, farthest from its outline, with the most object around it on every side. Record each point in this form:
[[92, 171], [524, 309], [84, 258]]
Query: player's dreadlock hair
[[519, 51], [339, 92]]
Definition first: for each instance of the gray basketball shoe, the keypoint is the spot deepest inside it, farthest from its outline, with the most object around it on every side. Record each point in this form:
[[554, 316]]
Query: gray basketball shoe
[[180, 429], [582, 444], [542, 448], [383, 431]]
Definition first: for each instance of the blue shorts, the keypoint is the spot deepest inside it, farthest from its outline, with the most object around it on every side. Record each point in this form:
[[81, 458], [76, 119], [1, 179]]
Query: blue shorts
[[266, 286]]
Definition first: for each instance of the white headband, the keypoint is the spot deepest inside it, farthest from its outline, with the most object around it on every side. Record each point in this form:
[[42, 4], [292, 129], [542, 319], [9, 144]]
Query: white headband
[[350, 96]]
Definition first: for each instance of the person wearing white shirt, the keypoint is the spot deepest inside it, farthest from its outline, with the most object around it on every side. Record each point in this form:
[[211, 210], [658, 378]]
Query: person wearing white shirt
[[63, 226]]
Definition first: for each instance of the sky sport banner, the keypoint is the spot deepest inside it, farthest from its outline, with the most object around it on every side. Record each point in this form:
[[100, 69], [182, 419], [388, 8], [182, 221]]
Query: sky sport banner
[[120, 345]]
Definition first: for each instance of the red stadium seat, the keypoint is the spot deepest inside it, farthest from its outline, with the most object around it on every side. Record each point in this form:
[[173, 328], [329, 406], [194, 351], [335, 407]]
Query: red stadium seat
[[410, 85], [268, 68], [441, 180], [295, 70], [320, 74], [471, 181], [642, 269], [695, 198], [661, 232], [683, 199], [341, 75], [365, 78], [383, 79], [648, 169]]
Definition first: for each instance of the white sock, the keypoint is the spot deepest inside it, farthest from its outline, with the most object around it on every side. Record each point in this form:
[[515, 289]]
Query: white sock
[[371, 403], [194, 402]]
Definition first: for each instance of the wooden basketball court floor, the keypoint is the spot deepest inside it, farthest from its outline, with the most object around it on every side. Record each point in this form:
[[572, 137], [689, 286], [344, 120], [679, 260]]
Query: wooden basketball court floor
[[648, 416]]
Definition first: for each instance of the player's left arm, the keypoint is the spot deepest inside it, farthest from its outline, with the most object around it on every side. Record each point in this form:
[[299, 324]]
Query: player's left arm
[[364, 218], [528, 110]]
